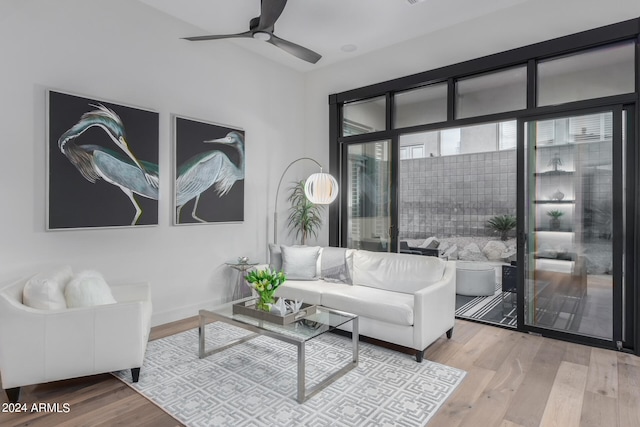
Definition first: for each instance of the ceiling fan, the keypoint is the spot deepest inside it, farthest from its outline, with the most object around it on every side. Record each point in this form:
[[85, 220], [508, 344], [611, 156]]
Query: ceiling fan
[[261, 28]]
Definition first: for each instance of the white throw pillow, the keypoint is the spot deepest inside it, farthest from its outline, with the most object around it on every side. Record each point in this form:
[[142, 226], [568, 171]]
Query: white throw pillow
[[87, 289], [46, 290], [300, 263]]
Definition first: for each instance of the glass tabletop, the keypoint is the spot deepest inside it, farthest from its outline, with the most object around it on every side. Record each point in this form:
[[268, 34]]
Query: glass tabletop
[[309, 327], [241, 265]]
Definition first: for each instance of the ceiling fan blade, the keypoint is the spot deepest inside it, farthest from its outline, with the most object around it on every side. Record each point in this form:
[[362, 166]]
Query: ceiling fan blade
[[270, 11], [217, 37], [295, 50]]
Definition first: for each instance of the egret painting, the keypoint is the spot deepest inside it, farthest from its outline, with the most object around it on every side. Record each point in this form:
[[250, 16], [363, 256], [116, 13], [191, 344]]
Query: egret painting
[[103, 164], [209, 172]]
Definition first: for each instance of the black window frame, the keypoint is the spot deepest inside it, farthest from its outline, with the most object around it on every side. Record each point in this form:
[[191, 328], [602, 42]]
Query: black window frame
[[528, 56]]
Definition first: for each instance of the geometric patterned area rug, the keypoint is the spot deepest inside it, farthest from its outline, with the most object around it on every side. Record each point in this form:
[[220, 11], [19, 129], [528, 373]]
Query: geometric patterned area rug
[[498, 308], [254, 383]]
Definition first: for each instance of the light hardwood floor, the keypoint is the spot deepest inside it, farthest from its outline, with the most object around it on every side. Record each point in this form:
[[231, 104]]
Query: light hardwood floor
[[513, 379]]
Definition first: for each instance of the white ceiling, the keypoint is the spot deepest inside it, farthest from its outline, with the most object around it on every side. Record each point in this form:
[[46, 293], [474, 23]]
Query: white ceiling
[[325, 26]]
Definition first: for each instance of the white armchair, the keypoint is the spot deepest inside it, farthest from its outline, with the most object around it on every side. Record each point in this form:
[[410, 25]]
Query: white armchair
[[38, 346]]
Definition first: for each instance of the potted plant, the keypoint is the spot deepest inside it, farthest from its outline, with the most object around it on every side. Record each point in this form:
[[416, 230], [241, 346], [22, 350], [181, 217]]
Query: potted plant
[[502, 224], [554, 221], [304, 217], [555, 162], [265, 282]]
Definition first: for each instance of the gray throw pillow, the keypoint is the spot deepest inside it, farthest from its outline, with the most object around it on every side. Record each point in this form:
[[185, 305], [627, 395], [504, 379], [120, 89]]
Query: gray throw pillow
[[299, 263], [275, 257], [334, 265]]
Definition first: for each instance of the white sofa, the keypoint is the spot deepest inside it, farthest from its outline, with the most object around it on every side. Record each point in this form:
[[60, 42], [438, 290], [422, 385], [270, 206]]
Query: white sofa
[[38, 346], [402, 299]]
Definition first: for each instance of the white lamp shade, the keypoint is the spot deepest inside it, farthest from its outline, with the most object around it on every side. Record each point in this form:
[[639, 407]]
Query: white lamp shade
[[321, 188]]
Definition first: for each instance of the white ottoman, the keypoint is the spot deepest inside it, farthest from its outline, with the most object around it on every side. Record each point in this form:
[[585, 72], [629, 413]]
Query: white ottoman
[[475, 279]]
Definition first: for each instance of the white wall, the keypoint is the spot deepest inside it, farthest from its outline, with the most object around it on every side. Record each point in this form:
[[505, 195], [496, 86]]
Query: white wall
[[126, 52]]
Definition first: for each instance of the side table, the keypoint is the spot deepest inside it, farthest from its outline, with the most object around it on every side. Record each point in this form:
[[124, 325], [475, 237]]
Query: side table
[[241, 290]]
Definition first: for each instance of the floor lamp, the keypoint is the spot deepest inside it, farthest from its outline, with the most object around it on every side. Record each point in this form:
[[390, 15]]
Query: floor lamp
[[320, 188]]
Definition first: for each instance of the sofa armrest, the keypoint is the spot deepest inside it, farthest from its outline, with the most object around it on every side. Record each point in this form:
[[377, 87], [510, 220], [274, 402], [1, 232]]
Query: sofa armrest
[[122, 332], [22, 344], [434, 308]]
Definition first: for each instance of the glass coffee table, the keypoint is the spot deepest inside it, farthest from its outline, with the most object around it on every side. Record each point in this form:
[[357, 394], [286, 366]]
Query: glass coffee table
[[297, 333]]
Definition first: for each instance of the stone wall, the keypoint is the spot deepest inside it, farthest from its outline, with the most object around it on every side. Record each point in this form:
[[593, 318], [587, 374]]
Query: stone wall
[[456, 195]]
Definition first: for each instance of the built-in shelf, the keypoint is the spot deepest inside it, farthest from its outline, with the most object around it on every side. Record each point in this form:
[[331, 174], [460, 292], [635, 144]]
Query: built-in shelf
[[554, 202], [548, 230], [554, 173]]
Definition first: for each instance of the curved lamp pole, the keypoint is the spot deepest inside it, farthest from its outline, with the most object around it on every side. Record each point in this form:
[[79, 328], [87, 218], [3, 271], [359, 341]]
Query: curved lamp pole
[[320, 188]]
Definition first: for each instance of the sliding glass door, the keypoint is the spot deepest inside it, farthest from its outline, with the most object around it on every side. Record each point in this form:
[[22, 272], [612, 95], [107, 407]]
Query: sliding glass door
[[574, 223], [367, 190]]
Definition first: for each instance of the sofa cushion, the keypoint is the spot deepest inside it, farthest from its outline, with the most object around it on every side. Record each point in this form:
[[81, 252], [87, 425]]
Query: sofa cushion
[[46, 290], [308, 291], [387, 306], [300, 263], [396, 272], [86, 289]]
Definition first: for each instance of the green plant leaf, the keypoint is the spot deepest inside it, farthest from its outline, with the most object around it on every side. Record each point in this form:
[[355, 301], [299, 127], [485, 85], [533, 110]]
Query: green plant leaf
[[555, 213], [304, 217], [502, 224]]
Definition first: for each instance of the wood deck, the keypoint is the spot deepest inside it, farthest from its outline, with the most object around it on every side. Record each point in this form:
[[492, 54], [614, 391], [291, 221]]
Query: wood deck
[[513, 380]]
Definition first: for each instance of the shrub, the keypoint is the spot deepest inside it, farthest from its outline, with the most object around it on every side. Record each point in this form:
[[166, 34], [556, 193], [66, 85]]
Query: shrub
[[502, 224]]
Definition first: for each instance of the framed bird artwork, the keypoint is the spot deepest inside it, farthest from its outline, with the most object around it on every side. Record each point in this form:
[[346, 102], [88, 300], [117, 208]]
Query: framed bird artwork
[[208, 172], [102, 161]]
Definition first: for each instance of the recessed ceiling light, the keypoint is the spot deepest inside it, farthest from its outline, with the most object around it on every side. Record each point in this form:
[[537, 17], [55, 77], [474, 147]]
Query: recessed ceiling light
[[261, 35], [349, 48]]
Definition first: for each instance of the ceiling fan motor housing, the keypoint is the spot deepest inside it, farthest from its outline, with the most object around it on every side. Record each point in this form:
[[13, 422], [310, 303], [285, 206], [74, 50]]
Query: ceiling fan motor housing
[[253, 24]]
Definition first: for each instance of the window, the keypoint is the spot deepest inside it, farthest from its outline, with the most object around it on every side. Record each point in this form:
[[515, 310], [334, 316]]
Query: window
[[455, 192], [420, 106], [469, 139], [604, 71], [419, 145], [507, 132], [364, 116], [492, 93], [412, 152], [592, 127], [546, 132], [450, 142]]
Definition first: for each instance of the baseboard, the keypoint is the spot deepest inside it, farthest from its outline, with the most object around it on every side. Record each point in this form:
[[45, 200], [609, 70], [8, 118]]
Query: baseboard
[[184, 312]]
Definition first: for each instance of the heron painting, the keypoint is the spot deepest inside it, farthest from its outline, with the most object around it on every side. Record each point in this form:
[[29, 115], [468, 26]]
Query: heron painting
[[103, 164], [209, 172]]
